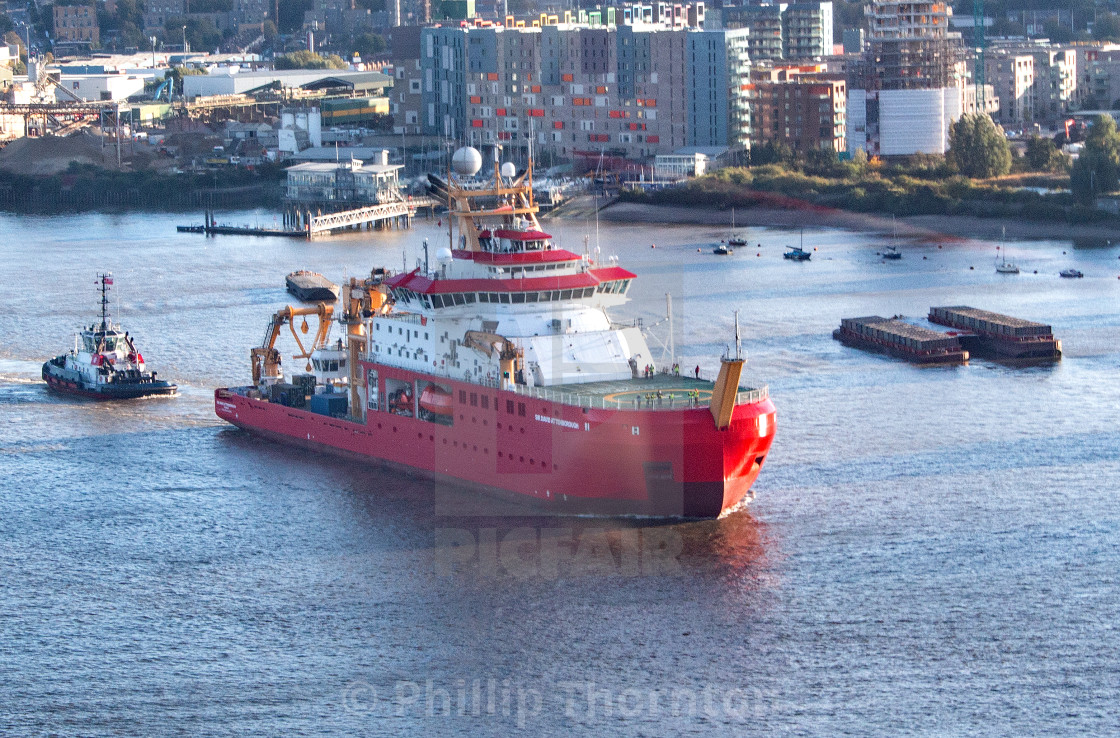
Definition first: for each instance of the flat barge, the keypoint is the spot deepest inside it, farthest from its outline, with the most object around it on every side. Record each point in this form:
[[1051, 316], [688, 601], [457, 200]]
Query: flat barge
[[900, 339], [311, 287], [998, 336]]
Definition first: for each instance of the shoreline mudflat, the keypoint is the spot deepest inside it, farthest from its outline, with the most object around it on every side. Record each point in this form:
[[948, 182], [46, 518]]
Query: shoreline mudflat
[[931, 227]]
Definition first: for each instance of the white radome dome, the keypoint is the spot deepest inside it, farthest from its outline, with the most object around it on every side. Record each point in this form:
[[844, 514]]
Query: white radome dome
[[466, 161], [509, 169], [443, 256]]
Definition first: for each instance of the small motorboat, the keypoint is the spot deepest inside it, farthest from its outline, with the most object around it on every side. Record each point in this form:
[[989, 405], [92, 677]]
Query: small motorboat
[[1071, 274], [723, 248], [892, 253]]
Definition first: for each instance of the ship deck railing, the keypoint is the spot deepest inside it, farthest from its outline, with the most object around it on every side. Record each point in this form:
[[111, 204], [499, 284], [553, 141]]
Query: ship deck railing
[[640, 394]]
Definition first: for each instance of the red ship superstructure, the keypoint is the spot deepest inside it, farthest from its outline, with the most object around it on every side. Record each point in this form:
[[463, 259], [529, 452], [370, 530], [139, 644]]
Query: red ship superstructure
[[494, 364]]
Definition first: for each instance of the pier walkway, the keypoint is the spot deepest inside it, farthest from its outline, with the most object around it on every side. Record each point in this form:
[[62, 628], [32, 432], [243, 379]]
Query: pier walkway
[[392, 213], [302, 224]]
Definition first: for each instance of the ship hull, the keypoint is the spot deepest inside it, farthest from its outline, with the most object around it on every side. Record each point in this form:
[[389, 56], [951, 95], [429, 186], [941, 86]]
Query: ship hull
[[556, 458], [69, 383]]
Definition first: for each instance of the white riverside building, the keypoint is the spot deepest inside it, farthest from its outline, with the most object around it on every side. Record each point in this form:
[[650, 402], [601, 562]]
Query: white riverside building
[[351, 182]]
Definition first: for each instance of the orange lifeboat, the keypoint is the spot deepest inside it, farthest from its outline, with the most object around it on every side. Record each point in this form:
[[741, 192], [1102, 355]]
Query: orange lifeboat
[[436, 401]]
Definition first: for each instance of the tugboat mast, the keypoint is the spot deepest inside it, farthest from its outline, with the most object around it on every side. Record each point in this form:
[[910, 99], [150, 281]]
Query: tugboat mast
[[106, 281]]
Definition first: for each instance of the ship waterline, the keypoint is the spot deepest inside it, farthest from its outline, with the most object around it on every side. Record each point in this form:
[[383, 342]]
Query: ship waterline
[[560, 458]]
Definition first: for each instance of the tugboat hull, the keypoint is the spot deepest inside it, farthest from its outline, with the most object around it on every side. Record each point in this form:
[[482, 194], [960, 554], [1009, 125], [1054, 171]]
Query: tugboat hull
[[61, 380]]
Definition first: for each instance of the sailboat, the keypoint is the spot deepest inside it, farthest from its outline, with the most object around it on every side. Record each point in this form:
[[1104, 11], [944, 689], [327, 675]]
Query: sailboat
[[892, 253], [1006, 267], [798, 253], [733, 240]]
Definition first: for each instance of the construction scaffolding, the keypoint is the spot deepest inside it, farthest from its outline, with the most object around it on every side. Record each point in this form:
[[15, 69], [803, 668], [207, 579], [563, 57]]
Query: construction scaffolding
[[909, 47]]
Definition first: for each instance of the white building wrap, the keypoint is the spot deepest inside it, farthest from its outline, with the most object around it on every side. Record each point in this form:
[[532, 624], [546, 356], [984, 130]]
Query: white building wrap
[[857, 120], [915, 121]]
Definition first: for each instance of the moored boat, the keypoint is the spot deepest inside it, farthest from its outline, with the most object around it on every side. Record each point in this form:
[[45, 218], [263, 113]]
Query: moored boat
[[735, 241], [311, 287]]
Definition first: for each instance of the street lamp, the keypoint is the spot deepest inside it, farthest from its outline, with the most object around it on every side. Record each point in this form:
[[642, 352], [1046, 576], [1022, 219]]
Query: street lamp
[[153, 40], [186, 47]]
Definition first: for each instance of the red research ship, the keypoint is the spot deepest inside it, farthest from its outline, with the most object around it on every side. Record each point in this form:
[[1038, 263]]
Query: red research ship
[[494, 365]]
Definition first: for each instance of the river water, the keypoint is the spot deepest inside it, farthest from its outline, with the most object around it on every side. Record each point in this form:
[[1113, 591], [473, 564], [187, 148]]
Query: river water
[[931, 550]]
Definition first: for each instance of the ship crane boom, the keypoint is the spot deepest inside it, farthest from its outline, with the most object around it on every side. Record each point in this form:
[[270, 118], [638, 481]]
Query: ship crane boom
[[265, 359]]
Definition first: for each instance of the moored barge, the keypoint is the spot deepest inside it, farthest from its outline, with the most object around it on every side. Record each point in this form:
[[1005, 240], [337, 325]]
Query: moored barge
[[900, 339], [308, 286], [998, 336]]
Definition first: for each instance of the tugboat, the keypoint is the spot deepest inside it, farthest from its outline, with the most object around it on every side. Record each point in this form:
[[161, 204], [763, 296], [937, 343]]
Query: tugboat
[[104, 363]]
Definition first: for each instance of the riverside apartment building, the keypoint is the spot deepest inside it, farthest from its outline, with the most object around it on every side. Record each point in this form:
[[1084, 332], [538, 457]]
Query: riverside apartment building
[[628, 83]]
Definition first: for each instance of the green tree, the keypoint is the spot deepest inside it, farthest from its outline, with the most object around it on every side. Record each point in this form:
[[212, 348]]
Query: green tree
[[202, 34], [291, 15], [369, 44], [309, 60], [1097, 168], [1043, 156], [1058, 33], [772, 152], [978, 148], [1106, 27], [177, 73]]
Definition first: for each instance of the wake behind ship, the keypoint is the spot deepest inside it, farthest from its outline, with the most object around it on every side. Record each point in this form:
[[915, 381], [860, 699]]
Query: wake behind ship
[[495, 365]]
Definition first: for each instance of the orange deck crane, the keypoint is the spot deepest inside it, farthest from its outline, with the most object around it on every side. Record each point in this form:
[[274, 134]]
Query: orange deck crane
[[265, 358]]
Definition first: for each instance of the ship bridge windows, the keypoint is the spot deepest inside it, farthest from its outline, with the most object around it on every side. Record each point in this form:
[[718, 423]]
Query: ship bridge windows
[[614, 286], [329, 365], [453, 299], [515, 271]]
